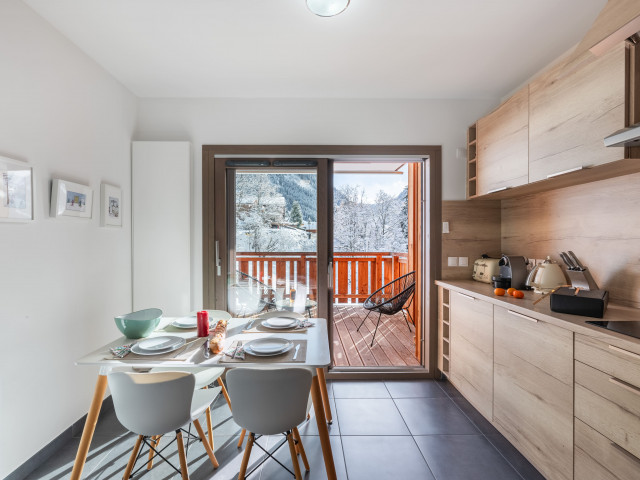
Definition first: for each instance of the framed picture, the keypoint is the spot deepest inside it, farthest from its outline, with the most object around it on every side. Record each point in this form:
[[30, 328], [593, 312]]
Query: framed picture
[[70, 199], [16, 191], [110, 206]]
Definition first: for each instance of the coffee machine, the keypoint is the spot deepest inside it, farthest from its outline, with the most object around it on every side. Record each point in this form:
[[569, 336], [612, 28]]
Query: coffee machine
[[514, 268]]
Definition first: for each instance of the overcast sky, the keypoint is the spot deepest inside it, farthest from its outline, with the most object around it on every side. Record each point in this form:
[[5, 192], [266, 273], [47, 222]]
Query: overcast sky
[[393, 184]]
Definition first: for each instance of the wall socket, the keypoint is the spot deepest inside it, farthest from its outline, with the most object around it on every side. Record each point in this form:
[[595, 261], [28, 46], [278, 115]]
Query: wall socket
[[452, 261], [463, 261]]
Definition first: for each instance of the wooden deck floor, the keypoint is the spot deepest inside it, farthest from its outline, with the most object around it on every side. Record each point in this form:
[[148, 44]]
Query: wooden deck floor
[[393, 347]]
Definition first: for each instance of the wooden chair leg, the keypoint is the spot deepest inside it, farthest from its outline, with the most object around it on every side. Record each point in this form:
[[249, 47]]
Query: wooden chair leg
[[303, 454], [183, 456], [242, 434], [155, 441], [246, 456], [207, 447], [224, 392], [132, 458], [294, 457], [209, 426]]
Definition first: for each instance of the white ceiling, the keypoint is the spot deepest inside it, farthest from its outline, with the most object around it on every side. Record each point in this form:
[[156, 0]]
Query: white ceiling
[[277, 48]]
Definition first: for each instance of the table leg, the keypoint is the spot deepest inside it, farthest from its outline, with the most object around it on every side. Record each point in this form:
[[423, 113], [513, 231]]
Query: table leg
[[89, 426], [325, 394], [316, 397]]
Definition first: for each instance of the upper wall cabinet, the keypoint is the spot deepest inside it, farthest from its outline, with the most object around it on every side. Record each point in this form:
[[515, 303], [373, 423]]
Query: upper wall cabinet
[[503, 145], [572, 108]]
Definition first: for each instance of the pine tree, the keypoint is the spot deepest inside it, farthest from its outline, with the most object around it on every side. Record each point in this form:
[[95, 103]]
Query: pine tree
[[296, 214]]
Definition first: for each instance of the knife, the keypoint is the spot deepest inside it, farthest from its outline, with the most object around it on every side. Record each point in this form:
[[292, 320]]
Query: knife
[[566, 260], [249, 325], [576, 261], [205, 350], [295, 354]]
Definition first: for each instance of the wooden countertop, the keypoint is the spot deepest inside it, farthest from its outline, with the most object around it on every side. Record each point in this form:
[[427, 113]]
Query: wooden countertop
[[542, 312]]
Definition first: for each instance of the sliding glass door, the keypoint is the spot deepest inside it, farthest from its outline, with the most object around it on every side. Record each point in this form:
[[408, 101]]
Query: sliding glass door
[[268, 251]]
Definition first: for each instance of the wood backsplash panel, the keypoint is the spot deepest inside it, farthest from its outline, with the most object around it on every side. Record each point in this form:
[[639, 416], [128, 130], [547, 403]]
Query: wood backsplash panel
[[474, 228], [599, 221]]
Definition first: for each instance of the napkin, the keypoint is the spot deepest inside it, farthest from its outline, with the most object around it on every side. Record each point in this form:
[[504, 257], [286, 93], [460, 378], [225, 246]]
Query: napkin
[[235, 351], [305, 324], [123, 351]]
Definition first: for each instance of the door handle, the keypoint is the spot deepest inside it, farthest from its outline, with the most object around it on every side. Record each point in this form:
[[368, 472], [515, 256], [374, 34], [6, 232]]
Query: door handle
[[466, 296], [497, 190], [564, 172], [516, 314], [218, 260]]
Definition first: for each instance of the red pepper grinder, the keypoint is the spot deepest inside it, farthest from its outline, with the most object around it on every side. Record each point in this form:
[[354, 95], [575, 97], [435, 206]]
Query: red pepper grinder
[[203, 323]]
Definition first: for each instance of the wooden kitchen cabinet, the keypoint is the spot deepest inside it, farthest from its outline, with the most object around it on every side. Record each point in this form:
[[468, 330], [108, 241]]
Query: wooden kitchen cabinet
[[444, 323], [572, 108], [533, 390], [503, 145], [471, 361]]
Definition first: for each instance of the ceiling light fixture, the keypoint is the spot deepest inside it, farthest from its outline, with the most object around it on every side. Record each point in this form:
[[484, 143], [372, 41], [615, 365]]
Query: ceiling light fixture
[[327, 8]]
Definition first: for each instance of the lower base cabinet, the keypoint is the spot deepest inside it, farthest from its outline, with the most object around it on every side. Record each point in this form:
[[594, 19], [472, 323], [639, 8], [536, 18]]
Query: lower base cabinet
[[533, 390], [596, 457]]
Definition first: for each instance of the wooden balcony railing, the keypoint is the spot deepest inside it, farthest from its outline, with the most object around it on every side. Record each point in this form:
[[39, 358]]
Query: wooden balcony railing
[[356, 275]]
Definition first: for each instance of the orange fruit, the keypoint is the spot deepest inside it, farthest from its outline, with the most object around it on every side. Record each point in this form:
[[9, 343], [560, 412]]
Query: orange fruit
[[510, 291], [518, 294], [499, 291]]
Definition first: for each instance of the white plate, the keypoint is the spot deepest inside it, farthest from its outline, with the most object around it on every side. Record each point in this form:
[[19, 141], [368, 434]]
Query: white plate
[[185, 322], [269, 346], [248, 349], [280, 322], [159, 344], [138, 351]]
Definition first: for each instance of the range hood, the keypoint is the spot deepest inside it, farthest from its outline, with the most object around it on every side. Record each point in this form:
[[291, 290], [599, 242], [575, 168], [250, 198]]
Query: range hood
[[627, 137]]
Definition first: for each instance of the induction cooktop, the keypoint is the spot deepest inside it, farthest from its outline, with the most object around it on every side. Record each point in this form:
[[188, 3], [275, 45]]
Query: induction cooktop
[[631, 328]]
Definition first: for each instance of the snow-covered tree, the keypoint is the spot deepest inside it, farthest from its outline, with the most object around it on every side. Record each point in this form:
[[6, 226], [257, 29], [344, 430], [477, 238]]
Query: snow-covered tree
[[296, 214]]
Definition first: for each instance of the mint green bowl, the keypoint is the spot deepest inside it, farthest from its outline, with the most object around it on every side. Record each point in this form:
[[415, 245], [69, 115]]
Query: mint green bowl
[[139, 324]]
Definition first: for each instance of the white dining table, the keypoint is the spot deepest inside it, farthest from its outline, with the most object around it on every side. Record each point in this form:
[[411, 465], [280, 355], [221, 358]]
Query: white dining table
[[317, 358]]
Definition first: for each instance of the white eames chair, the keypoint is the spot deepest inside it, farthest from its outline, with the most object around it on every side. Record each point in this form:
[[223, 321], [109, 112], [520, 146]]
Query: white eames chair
[[153, 404], [270, 402]]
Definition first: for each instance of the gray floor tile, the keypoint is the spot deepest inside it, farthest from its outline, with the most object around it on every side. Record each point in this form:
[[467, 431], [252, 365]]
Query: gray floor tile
[[222, 420], [310, 427], [456, 457], [449, 389], [272, 471], [107, 426], [330, 388], [369, 417], [514, 457], [359, 389], [383, 457], [475, 416], [60, 464], [414, 389], [433, 416]]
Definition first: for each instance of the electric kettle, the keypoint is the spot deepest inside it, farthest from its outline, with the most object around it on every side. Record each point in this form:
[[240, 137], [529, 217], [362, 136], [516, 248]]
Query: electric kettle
[[546, 276]]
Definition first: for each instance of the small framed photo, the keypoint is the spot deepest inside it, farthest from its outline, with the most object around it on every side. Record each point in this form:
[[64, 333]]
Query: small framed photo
[[70, 199], [110, 206], [16, 191]]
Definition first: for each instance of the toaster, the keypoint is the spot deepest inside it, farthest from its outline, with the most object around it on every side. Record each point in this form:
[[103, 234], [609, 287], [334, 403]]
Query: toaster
[[484, 268]]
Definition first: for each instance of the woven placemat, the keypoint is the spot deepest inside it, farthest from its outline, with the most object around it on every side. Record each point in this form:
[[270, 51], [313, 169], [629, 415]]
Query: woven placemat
[[182, 354], [286, 357]]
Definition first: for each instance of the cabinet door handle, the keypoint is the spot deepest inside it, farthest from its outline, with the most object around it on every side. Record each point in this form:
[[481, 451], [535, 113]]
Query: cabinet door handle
[[564, 172], [516, 314], [497, 190], [625, 452], [466, 296], [624, 352], [625, 385]]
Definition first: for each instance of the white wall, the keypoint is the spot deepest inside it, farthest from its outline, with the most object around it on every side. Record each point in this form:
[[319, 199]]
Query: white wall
[[61, 280], [309, 122]]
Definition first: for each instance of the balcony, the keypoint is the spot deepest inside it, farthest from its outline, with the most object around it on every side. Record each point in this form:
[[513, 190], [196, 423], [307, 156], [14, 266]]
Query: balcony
[[356, 275]]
